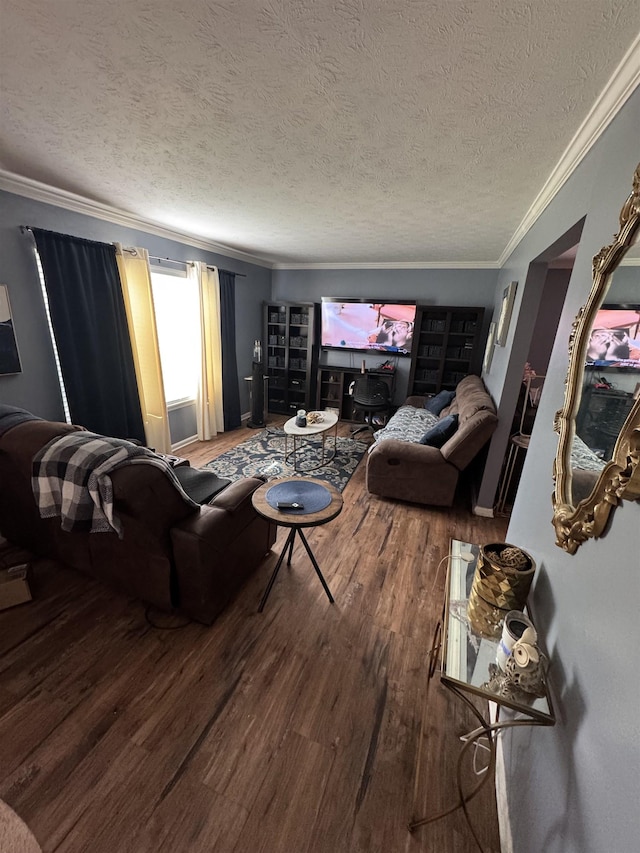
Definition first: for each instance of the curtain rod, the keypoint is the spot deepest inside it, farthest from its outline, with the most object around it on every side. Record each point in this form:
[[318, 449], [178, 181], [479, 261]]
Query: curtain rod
[[209, 267], [29, 228]]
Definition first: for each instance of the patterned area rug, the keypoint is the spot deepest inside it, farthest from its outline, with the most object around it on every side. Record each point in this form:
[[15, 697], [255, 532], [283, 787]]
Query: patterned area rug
[[263, 454]]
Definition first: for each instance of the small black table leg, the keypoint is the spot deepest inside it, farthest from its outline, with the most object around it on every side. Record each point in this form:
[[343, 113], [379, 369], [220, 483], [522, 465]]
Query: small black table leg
[[290, 540], [315, 565], [288, 544]]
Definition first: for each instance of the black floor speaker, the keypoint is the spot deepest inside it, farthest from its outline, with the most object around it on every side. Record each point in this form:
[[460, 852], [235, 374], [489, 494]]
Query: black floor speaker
[[257, 396]]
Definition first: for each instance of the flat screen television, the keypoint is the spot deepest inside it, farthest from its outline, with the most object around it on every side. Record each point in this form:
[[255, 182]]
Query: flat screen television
[[615, 337], [362, 325]]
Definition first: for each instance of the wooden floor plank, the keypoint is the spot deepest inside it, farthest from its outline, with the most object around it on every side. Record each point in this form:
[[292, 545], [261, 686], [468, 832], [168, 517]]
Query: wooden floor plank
[[294, 730], [285, 811], [187, 820]]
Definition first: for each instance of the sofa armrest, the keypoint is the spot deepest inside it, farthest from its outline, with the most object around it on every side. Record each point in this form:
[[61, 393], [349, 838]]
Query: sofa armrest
[[233, 496], [216, 549], [217, 524]]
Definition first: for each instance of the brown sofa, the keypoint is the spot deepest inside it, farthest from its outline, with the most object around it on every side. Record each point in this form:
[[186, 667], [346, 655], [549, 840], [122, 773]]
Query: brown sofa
[[171, 554], [402, 468]]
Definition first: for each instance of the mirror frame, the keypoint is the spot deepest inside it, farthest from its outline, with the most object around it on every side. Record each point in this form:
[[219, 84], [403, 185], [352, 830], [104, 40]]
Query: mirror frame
[[620, 478]]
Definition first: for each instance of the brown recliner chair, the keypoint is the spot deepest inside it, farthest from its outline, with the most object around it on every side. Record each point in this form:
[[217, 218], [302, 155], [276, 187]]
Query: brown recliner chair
[[171, 554]]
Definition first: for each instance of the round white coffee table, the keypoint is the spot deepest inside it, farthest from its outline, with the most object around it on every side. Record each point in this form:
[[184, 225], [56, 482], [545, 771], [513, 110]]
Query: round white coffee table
[[329, 421]]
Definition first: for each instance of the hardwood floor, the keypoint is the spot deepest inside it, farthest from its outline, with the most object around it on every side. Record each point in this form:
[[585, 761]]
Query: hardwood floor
[[291, 731]]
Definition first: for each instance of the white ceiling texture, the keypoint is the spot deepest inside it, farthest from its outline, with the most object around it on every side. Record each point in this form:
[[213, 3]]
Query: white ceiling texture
[[305, 132]]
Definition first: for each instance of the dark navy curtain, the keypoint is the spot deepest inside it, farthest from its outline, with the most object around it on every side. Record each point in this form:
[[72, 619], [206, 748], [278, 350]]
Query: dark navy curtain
[[230, 390], [91, 332]]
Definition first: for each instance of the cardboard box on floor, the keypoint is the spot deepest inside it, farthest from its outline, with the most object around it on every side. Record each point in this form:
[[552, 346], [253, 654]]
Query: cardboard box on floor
[[14, 575], [14, 586]]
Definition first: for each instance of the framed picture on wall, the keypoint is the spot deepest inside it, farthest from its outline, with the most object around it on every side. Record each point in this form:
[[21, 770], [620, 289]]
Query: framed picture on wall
[[488, 352], [508, 298], [9, 356]]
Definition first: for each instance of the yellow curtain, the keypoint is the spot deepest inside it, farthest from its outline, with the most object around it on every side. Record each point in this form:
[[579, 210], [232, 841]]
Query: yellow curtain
[[209, 411], [135, 275]]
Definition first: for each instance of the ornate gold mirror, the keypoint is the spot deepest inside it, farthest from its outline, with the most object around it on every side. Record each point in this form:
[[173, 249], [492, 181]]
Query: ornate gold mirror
[[597, 461]]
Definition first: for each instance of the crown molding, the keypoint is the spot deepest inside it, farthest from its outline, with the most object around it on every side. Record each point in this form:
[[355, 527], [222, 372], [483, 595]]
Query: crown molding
[[624, 80], [38, 191], [78, 204], [407, 265]]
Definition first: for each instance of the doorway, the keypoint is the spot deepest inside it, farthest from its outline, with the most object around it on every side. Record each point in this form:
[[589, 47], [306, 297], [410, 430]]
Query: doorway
[[534, 372], [548, 277]]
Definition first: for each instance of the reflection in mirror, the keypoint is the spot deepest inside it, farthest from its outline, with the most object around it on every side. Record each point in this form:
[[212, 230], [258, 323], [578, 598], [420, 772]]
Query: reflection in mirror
[[599, 446], [611, 379]]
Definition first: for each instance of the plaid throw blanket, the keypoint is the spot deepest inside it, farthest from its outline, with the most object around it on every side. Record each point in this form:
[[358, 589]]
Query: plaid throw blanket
[[70, 478]]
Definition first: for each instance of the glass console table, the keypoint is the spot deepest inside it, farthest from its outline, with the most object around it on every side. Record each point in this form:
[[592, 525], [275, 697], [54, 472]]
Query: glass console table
[[466, 661]]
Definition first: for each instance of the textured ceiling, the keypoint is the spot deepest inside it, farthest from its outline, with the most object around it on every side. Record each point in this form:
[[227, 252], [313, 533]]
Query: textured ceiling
[[308, 130]]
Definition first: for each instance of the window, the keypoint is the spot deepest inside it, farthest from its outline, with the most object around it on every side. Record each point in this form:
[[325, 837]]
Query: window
[[177, 310]]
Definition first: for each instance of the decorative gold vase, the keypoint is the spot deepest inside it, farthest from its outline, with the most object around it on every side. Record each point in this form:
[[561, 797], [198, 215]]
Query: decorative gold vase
[[501, 583]]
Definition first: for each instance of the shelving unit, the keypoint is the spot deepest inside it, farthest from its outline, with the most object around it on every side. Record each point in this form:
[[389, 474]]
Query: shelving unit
[[601, 416], [290, 353], [333, 390], [447, 347]]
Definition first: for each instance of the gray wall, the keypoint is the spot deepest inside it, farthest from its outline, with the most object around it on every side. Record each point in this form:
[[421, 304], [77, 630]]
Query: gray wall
[[36, 388], [428, 287], [624, 287], [575, 788], [553, 296], [533, 331]]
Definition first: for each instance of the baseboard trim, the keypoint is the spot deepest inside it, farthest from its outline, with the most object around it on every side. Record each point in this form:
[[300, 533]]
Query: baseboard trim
[[502, 801], [500, 784], [484, 511], [183, 443]]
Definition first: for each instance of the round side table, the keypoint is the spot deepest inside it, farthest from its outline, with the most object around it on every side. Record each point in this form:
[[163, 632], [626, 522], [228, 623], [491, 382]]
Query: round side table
[[311, 494]]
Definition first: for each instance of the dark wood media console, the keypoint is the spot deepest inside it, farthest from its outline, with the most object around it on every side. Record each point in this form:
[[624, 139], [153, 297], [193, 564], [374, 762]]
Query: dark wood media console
[[333, 389]]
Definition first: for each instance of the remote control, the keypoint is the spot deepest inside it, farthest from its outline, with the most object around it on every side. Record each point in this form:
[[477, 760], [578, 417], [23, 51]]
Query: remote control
[[287, 505]]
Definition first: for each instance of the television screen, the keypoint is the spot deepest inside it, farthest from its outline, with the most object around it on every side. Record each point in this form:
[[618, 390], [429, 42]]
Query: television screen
[[615, 338], [364, 326]]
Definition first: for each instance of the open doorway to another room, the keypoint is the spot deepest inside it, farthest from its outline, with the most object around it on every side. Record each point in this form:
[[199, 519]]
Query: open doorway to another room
[[534, 369]]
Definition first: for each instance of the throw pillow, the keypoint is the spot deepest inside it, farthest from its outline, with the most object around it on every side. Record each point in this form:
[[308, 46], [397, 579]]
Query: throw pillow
[[441, 432], [436, 404]]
